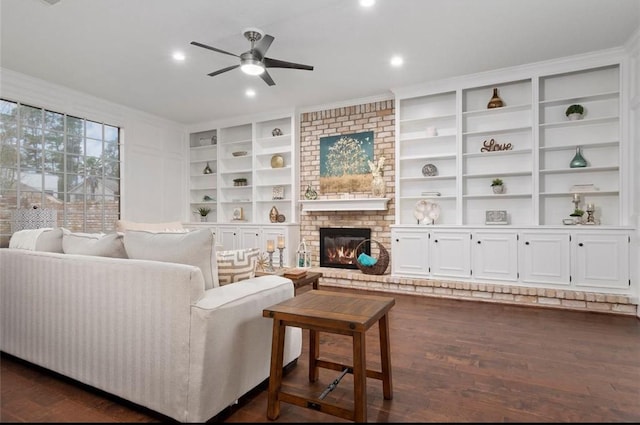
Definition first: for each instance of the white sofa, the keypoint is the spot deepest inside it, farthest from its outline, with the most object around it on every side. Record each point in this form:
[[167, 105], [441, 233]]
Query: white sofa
[[146, 331]]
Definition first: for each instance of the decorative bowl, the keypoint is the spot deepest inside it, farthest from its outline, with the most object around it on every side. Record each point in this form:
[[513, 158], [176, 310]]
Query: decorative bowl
[[239, 153]]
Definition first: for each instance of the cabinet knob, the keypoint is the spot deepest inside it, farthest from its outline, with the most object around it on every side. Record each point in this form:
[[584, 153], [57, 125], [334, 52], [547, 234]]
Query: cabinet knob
[[397, 240], [479, 242], [436, 241], [526, 243], [580, 244]]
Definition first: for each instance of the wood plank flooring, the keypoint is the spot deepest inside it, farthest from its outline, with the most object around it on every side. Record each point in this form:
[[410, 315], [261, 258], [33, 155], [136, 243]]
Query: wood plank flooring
[[453, 361]]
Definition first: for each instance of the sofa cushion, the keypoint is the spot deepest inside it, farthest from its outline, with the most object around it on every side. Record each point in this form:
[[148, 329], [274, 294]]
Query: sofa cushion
[[196, 248], [44, 239], [169, 226], [236, 265], [99, 244]]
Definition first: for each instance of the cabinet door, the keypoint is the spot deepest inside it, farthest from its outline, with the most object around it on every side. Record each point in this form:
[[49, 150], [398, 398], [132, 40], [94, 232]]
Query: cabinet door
[[601, 260], [544, 258], [250, 238], [450, 254], [410, 252], [495, 255], [228, 237]]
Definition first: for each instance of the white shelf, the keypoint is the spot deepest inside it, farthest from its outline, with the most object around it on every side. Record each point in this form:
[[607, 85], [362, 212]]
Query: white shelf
[[584, 121], [502, 130], [579, 170], [498, 195], [439, 156], [489, 112], [357, 204], [427, 178]]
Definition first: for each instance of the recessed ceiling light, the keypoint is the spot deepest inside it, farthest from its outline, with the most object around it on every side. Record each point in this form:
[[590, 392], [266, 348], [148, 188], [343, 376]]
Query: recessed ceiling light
[[179, 56], [397, 61], [250, 93], [367, 3]]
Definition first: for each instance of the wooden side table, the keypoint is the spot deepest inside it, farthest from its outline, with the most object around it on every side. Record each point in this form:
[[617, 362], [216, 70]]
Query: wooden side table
[[335, 312], [312, 278]]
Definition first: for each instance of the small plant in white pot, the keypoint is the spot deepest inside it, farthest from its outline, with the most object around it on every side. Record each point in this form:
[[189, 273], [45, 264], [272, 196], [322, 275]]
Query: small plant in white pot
[[204, 212], [497, 185], [574, 112]]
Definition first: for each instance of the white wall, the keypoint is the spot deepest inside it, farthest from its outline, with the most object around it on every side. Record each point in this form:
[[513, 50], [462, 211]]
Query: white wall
[[153, 149]]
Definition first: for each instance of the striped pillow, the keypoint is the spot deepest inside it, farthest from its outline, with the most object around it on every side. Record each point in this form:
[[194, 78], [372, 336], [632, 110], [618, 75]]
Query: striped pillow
[[236, 265]]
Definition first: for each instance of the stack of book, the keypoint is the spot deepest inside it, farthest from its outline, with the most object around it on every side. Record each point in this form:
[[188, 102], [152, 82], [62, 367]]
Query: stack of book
[[295, 273]]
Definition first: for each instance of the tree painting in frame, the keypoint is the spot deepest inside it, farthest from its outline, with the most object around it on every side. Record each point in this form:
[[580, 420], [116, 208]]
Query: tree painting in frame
[[344, 165]]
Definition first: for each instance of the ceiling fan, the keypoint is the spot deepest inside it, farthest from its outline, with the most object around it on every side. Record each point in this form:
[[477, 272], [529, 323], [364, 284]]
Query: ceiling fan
[[254, 61]]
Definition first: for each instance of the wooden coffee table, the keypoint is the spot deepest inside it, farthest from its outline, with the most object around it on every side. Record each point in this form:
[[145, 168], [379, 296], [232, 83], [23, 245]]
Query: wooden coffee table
[[335, 312]]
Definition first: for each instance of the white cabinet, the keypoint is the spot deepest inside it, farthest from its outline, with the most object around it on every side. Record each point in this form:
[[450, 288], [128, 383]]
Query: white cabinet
[[601, 260], [545, 257], [495, 255], [243, 236], [254, 169], [450, 253], [410, 252]]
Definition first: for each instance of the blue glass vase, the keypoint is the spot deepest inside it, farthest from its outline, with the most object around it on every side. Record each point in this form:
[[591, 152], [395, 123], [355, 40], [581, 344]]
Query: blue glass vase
[[578, 160]]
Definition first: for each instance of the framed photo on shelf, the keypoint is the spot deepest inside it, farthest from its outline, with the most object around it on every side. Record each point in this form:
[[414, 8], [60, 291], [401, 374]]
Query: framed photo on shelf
[[496, 217], [278, 193], [238, 213]]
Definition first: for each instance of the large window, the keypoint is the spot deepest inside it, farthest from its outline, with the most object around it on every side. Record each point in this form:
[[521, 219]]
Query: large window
[[53, 160]]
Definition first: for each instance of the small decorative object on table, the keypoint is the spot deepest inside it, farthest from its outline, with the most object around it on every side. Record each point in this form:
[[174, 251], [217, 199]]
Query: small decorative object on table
[[496, 217], [495, 101], [575, 112], [281, 218], [578, 160], [373, 265], [262, 264], [278, 193], [276, 132], [378, 186], [295, 273], [270, 251], [577, 213], [281, 249], [303, 256], [497, 185], [590, 218], [429, 170]]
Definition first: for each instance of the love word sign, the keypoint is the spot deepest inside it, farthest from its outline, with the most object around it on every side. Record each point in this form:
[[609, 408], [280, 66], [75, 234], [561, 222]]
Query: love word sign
[[492, 145]]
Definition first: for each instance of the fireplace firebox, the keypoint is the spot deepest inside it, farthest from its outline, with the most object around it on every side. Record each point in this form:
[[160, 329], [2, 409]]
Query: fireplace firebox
[[338, 246]]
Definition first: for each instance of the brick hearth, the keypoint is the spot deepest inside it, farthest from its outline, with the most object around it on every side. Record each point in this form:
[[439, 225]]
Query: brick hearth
[[486, 292]]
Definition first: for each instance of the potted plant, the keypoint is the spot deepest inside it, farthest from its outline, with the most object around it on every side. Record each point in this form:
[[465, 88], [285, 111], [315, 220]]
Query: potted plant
[[574, 112], [203, 211], [497, 185]]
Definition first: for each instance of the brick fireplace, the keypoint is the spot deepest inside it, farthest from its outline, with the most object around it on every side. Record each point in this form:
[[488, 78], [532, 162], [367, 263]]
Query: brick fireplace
[[338, 246], [379, 117]]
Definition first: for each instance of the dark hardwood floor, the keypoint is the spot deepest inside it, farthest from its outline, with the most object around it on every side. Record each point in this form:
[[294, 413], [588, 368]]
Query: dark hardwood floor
[[453, 361]]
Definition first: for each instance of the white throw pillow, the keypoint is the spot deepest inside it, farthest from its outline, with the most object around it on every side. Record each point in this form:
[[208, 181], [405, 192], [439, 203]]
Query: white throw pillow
[[98, 244], [50, 241], [196, 248], [43, 239], [236, 265]]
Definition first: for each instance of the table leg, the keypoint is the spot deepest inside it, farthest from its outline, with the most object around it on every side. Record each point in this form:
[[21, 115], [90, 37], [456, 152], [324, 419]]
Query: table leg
[[314, 354], [385, 357], [275, 375], [359, 377]]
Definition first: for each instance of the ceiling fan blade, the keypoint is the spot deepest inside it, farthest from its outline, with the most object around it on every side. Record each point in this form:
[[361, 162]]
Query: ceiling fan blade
[[275, 63], [220, 71], [195, 43], [267, 78], [263, 44]]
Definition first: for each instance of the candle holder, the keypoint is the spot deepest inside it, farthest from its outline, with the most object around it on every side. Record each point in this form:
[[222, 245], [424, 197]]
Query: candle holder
[[271, 269], [281, 257]]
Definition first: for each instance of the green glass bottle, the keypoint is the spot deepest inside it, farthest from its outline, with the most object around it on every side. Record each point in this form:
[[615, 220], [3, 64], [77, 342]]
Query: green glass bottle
[[578, 160]]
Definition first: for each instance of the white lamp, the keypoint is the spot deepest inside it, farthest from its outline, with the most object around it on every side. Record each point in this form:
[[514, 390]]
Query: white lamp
[[252, 67]]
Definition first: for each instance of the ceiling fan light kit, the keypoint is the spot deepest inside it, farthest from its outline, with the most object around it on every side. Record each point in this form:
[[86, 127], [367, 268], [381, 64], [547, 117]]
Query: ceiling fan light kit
[[254, 61]]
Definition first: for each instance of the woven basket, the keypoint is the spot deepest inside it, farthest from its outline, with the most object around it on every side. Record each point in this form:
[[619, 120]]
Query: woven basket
[[383, 258]]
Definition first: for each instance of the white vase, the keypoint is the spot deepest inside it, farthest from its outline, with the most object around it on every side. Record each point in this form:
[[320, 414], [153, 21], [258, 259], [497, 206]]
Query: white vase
[[378, 187], [575, 116], [498, 188]]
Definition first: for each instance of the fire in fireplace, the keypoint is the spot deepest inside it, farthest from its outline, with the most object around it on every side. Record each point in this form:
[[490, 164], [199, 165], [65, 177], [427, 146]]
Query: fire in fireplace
[[338, 246]]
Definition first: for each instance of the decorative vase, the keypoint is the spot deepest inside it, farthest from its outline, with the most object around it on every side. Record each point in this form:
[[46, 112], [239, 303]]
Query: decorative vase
[[495, 101], [575, 116], [310, 193], [578, 160], [207, 169], [499, 188], [203, 218], [378, 188]]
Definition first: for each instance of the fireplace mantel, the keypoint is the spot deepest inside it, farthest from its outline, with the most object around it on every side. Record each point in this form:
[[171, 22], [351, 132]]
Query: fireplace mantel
[[353, 204]]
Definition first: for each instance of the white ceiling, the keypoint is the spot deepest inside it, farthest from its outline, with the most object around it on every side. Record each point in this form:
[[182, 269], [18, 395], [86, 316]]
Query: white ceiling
[[120, 50]]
